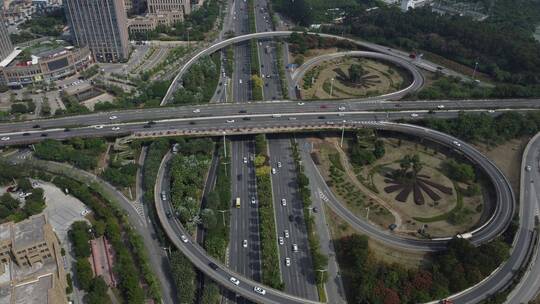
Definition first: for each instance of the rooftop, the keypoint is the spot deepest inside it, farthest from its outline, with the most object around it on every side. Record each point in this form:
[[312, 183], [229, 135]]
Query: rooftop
[[29, 232], [5, 232], [33, 292]]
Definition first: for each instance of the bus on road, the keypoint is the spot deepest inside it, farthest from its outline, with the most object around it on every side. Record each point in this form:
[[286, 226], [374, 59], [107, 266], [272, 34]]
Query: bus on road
[[237, 202]]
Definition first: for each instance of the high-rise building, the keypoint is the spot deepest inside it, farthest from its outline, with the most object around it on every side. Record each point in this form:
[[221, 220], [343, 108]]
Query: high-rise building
[[101, 25], [5, 43], [158, 6]]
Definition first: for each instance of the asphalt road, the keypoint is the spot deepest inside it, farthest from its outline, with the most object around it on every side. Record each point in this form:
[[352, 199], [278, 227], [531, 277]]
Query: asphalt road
[[244, 221], [269, 35], [198, 257], [268, 107], [529, 286], [298, 278], [244, 242], [416, 76]]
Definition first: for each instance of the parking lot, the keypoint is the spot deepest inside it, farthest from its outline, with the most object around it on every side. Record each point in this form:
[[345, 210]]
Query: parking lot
[[62, 210]]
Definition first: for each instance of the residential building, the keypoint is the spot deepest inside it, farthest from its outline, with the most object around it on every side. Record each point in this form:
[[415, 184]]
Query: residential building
[[161, 6], [31, 266], [142, 24], [5, 43], [101, 25]]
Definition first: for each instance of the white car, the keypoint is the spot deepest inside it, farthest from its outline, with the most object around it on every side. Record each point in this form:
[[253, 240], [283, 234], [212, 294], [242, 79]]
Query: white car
[[240, 81], [197, 111], [281, 240], [98, 127], [184, 238], [283, 202], [113, 117], [230, 120], [294, 247], [286, 233], [259, 290], [491, 111], [253, 201], [414, 115], [115, 128], [279, 164], [300, 103], [234, 281], [287, 262], [528, 168], [456, 143], [85, 212], [440, 107], [5, 138], [244, 244], [245, 160], [342, 108], [273, 170]]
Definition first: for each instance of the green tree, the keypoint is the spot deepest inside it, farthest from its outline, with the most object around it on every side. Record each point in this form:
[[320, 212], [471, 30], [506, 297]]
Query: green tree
[[84, 273]]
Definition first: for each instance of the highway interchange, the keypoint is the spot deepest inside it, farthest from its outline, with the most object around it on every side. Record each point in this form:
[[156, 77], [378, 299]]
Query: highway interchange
[[252, 118]]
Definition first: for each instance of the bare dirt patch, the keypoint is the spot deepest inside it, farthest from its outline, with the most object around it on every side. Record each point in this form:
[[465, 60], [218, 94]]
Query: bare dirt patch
[[507, 157]]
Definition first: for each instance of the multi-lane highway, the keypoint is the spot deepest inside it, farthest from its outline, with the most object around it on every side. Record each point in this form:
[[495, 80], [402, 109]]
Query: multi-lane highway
[[270, 107], [503, 214], [297, 274]]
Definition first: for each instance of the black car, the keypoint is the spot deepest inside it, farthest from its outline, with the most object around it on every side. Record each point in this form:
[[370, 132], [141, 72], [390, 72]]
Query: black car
[[246, 118], [321, 117], [44, 135], [242, 111], [315, 210], [35, 126], [147, 126], [192, 122], [67, 129], [291, 218], [168, 213], [213, 266], [25, 134]]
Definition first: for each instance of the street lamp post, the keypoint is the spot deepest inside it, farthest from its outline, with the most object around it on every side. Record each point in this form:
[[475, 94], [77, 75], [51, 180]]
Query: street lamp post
[[223, 215], [321, 271], [474, 71], [331, 87], [342, 134], [224, 145]]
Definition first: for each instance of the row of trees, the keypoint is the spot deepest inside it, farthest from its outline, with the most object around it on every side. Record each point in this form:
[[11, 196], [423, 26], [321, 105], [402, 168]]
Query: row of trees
[[83, 153], [373, 281], [131, 265], [271, 275], [80, 235], [474, 127], [320, 260]]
